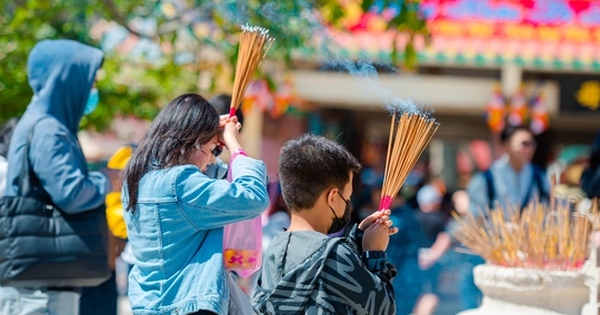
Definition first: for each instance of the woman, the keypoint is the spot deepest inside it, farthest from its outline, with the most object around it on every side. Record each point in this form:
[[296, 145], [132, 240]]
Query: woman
[[176, 213]]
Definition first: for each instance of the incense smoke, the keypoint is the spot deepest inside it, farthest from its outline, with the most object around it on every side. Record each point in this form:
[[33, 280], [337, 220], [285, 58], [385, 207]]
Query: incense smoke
[[368, 74], [303, 18]]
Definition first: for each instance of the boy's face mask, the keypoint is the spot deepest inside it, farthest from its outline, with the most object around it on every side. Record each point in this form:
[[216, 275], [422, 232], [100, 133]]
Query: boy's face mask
[[339, 223], [92, 102]]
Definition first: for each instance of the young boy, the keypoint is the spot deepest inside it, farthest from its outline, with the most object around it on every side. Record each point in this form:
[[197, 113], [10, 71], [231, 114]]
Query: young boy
[[304, 270]]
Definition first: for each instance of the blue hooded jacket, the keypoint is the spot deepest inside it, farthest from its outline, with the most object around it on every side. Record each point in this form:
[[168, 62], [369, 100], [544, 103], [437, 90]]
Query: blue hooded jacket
[[61, 74]]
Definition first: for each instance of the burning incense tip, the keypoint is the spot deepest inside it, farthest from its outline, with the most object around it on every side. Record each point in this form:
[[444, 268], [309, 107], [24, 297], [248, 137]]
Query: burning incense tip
[[398, 105], [258, 30]]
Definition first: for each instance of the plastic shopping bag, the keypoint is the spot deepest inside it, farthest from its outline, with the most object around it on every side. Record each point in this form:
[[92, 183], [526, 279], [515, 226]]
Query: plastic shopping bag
[[242, 244], [239, 303]]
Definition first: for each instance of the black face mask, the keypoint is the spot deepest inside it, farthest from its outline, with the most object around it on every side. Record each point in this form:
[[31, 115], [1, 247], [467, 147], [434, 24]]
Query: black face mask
[[339, 223]]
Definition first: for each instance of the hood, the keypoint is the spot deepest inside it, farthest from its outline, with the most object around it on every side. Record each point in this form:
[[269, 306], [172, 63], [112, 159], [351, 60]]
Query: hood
[[61, 74]]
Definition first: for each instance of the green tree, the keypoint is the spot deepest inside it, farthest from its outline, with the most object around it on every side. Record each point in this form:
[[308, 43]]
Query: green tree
[[130, 87], [181, 29]]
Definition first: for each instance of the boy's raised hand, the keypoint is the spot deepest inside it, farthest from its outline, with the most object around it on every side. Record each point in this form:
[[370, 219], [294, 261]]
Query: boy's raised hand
[[376, 237], [384, 215]]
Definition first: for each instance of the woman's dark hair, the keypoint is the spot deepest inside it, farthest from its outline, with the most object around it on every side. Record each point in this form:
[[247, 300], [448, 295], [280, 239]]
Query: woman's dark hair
[[186, 122], [508, 132], [309, 165]]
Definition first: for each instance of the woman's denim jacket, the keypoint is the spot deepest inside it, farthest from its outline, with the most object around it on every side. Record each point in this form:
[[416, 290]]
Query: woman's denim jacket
[[176, 233]]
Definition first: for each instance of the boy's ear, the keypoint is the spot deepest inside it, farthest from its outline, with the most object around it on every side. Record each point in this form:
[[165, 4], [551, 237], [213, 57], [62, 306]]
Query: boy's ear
[[331, 195]]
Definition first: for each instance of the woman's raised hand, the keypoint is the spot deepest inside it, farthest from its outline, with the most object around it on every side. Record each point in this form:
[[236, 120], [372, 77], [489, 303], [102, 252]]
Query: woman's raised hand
[[230, 132]]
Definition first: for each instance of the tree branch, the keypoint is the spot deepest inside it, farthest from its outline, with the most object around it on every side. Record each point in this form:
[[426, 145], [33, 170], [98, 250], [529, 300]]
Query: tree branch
[[117, 17], [168, 27]]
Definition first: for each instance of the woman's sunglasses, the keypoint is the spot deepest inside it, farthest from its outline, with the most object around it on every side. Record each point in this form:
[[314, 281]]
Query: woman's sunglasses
[[217, 150], [528, 144]]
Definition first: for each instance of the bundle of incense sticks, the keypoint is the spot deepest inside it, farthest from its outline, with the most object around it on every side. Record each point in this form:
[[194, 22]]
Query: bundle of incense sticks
[[410, 132], [255, 42], [242, 246], [551, 237]]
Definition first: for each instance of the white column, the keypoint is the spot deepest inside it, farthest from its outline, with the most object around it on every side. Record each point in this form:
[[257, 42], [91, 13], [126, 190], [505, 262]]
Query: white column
[[436, 157], [510, 77], [252, 132]]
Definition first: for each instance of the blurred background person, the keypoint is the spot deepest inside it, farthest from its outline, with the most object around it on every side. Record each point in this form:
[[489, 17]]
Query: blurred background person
[[432, 222], [403, 252], [62, 75], [277, 216], [222, 103], [102, 299], [512, 181], [5, 135], [469, 295]]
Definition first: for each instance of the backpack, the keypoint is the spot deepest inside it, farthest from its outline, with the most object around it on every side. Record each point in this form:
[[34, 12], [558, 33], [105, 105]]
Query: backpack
[[537, 179]]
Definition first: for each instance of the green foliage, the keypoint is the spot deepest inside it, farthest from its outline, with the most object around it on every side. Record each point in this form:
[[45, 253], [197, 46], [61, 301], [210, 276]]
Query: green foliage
[[289, 21], [137, 88], [367, 4], [128, 87], [22, 24], [408, 21]]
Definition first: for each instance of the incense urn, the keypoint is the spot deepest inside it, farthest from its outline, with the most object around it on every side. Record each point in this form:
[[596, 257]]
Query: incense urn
[[510, 291]]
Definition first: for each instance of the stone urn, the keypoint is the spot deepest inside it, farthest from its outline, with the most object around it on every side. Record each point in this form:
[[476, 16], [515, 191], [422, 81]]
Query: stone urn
[[512, 291]]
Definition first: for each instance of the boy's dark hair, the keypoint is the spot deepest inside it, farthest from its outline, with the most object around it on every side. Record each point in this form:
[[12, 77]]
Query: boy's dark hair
[[222, 103], [308, 165], [5, 135], [509, 131]]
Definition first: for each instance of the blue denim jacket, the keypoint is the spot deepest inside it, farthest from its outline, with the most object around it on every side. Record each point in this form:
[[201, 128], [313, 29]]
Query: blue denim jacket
[[176, 233]]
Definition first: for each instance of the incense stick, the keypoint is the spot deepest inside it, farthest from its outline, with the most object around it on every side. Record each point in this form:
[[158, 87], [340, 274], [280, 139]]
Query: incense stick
[[541, 236], [255, 42], [409, 135]]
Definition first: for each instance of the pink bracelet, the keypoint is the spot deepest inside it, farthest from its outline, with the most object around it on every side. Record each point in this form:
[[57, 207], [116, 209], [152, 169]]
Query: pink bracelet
[[237, 152]]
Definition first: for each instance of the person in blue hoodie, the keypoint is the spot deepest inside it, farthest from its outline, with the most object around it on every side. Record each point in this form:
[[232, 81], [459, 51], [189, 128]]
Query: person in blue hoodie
[[175, 212], [62, 75]]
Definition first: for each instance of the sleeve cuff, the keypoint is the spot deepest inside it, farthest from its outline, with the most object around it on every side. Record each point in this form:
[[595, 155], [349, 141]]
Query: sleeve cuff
[[376, 262], [373, 254], [356, 235]]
